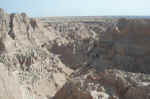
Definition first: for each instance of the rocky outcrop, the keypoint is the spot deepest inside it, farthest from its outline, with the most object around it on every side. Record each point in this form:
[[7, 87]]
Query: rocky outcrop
[[127, 85], [38, 73], [9, 87], [71, 91], [131, 45], [82, 86], [40, 59], [121, 44], [111, 84]]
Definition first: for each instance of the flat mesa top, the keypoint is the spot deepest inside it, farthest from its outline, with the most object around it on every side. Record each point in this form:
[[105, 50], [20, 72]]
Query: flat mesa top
[[87, 18]]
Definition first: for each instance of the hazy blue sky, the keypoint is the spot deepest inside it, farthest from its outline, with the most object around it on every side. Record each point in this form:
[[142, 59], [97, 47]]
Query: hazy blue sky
[[77, 7]]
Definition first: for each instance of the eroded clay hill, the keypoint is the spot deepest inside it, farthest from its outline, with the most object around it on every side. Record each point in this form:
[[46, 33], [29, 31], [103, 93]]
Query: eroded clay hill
[[74, 58], [118, 43]]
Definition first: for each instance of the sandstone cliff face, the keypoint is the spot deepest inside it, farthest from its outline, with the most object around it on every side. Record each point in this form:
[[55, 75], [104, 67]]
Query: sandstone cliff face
[[42, 59]]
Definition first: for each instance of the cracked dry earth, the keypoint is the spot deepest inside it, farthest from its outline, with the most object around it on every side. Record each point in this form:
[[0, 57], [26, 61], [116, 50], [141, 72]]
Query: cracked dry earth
[[74, 57]]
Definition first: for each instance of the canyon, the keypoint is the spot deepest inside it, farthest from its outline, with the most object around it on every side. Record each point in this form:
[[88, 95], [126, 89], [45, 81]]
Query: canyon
[[74, 57]]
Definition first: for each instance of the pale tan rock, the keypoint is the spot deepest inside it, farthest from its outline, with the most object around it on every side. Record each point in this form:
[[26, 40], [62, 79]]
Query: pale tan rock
[[9, 86], [39, 56]]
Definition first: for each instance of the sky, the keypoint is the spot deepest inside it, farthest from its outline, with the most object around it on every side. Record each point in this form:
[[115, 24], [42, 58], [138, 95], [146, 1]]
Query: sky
[[44, 8]]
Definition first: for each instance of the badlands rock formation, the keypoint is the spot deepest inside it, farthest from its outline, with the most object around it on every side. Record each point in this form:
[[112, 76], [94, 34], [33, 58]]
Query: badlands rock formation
[[74, 57]]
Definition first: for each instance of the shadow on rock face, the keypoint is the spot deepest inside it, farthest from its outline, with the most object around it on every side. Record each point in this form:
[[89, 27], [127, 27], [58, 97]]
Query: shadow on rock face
[[70, 91], [2, 46], [124, 45], [67, 56]]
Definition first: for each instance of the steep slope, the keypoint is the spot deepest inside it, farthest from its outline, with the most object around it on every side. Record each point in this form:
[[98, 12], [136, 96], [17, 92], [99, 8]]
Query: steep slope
[[9, 87], [42, 59], [110, 84], [38, 73], [121, 43]]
